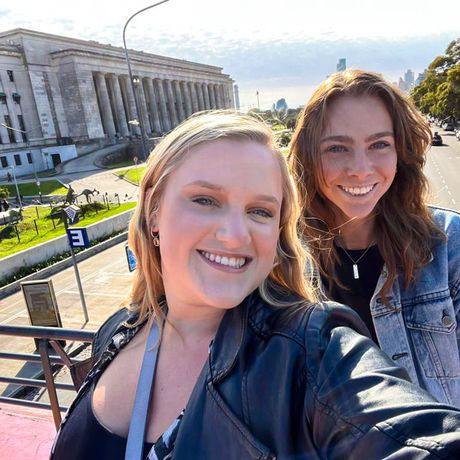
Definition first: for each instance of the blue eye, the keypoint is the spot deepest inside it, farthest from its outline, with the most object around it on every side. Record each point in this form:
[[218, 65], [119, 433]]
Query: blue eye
[[380, 145], [204, 201], [260, 212], [336, 148]]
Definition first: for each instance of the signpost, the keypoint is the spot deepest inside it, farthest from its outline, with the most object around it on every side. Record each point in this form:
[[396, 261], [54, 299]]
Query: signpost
[[78, 238]]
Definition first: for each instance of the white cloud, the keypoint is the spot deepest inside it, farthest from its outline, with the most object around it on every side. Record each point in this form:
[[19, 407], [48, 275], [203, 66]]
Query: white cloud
[[270, 46]]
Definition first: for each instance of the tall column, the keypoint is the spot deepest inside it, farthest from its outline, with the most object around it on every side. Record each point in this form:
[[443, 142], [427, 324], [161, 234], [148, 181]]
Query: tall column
[[106, 110], [153, 106], [216, 93], [207, 104], [119, 108], [199, 91], [127, 89], [172, 105], [219, 97], [163, 108], [180, 101], [231, 96], [212, 96], [195, 106], [226, 96], [144, 116], [188, 98]]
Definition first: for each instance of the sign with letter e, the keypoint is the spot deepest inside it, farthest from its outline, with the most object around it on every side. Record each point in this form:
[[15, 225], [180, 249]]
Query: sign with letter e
[[78, 237]]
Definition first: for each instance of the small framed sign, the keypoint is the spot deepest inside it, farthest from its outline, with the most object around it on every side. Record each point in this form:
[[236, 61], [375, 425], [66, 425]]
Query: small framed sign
[[41, 303]]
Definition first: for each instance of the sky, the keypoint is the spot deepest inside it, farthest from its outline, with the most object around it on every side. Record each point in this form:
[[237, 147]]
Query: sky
[[280, 49]]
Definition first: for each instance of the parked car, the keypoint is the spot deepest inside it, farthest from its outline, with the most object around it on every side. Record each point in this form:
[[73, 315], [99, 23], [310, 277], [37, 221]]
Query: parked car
[[457, 134], [448, 126]]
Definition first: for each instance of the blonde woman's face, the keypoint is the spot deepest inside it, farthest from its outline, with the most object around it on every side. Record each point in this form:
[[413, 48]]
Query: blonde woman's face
[[218, 222], [358, 156]]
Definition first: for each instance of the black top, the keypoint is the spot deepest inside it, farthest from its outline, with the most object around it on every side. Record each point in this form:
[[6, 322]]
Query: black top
[[358, 292], [84, 437]]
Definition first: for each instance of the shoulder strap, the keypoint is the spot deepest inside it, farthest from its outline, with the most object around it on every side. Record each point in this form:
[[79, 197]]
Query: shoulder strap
[[138, 424]]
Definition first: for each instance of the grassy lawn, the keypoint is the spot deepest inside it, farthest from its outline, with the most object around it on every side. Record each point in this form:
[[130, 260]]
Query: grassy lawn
[[45, 173], [9, 243], [120, 164], [133, 175], [48, 187]]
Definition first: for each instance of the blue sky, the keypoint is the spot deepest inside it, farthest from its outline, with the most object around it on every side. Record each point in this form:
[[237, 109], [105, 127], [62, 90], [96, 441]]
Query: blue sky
[[279, 48]]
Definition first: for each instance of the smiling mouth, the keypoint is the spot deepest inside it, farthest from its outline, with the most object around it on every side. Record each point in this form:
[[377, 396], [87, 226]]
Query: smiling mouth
[[358, 191], [232, 262]]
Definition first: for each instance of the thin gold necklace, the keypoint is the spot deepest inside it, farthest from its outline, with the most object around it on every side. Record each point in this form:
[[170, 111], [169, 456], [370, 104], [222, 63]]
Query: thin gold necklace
[[355, 262]]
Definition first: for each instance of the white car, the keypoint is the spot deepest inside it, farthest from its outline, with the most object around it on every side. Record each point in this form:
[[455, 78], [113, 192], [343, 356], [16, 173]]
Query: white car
[[457, 134]]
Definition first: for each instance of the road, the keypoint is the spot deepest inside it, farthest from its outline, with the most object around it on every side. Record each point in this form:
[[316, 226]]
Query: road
[[82, 173], [443, 171]]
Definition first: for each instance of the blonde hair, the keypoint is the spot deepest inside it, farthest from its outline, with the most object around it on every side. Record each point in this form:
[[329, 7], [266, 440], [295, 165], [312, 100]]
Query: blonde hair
[[405, 228], [287, 276]]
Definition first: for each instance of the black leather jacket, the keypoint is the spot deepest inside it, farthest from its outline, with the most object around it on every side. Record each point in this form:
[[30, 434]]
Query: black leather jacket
[[302, 383]]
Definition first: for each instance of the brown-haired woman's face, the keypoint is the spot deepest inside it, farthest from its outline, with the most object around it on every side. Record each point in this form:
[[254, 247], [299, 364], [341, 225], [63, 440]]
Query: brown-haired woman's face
[[358, 155]]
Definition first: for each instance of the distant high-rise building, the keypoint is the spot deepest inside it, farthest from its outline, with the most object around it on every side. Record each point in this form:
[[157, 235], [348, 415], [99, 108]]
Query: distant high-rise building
[[341, 64], [409, 79], [402, 84], [421, 77]]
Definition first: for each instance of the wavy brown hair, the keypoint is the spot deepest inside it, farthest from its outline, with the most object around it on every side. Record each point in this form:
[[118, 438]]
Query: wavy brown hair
[[405, 230], [287, 274]]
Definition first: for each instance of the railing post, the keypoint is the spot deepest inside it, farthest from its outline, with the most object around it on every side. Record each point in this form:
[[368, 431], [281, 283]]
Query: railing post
[[43, 348]]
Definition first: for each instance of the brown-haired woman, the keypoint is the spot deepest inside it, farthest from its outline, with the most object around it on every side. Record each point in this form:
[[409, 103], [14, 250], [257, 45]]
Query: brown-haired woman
[[360, 147]]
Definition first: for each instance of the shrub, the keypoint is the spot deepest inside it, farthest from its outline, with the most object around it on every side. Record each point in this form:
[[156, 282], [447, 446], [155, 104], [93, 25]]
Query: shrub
[[4, 193], [284, 139]]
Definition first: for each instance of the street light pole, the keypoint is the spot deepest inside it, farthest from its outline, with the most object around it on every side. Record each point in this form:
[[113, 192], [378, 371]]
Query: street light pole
[[133, 87], [17, 188]]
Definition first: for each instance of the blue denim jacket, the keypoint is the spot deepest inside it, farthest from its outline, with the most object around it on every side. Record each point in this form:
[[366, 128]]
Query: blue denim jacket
[[421, 331]]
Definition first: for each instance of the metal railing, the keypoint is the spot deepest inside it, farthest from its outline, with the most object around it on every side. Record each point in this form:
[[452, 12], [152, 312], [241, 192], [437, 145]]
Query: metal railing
[[45, 337]]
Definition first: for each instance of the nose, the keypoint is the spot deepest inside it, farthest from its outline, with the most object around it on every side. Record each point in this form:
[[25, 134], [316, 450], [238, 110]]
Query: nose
[[360, 165], [233, 230]]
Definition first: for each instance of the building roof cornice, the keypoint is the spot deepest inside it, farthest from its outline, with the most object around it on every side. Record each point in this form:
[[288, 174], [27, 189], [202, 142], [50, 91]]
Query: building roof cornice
[[114, 51]]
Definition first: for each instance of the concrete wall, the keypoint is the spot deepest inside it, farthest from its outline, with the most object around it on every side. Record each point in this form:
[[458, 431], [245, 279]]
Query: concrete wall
[[45, 251]]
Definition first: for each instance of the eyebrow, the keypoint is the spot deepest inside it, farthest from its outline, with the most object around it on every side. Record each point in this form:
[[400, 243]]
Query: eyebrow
[[349, 140], [218, 188]]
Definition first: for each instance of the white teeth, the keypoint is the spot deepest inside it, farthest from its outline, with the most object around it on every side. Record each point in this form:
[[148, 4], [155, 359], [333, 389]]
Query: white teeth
[[356, 191], [234, 262]]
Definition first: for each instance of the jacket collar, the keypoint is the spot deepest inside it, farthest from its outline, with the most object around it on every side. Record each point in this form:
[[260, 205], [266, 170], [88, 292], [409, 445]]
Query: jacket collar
[[229, 338]]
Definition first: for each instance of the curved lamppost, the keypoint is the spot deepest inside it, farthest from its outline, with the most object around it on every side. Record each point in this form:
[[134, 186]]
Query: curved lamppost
[[133, 86]]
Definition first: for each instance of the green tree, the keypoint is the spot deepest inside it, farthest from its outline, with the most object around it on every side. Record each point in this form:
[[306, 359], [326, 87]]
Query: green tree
[[439, 93]]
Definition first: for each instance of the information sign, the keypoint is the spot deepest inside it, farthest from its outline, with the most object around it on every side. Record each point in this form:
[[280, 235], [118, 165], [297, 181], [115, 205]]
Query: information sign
[[78, 237], [41, 303]]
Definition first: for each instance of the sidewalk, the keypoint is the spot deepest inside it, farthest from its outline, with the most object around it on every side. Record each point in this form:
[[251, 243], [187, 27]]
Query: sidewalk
[[25, 433]]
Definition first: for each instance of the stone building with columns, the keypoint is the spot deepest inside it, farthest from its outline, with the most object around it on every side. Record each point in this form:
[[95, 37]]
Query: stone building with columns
[[57, 91]]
